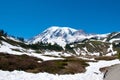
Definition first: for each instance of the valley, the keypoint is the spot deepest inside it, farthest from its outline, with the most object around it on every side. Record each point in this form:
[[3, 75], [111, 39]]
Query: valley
[[60, 52]]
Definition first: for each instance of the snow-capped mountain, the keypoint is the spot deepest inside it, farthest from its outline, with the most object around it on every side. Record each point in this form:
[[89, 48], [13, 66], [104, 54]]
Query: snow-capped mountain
[[55, 35], [62, 36], [80, 57]]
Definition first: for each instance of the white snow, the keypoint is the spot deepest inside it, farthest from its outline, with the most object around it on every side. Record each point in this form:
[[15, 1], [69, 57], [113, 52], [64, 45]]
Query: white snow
[[103, 35], [72, 45], [13, 39], [66, 54], [43, 57], [95, 53], [85, 49], [111, 51], [7, 48], [58, 54], [115, 34], [54, 34], [92, 45], [92, 73], [115, 39], [61, 36], [77, 51]]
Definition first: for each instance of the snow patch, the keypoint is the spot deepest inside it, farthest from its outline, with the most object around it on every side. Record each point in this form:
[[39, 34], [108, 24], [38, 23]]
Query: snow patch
[[92, 73], [111, 51]]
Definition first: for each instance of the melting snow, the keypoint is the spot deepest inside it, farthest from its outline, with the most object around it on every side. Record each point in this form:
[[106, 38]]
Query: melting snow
[[92, 73]]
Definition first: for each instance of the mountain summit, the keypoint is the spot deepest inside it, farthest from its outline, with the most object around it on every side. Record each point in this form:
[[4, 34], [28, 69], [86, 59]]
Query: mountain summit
[[59, 35]]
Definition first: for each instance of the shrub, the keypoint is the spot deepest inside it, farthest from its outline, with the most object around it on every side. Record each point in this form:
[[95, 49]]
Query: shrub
[[30, 64], [15, 62], [105, 58]]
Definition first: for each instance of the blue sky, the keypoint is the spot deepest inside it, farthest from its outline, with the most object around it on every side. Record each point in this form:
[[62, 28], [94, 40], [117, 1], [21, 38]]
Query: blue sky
[[27, 18]]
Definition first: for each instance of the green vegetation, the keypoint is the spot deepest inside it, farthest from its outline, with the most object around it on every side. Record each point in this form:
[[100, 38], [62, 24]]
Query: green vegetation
[[53, 66], [107, 58], [38, 46], [21, 39], [30, 64], [109, 36], [3, 33], [118, 52], [118, 56], [113, 35], [117, 48], [45, 46], [16, 50], [67, 66], [14, 62], [69, 49], [91, 46]]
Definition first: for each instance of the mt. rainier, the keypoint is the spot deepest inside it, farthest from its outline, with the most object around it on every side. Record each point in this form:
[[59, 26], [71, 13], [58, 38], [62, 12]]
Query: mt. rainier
[[61, 36]]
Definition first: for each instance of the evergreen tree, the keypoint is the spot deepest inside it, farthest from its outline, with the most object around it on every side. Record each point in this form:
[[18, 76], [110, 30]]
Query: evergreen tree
[[68, 46], [21, 39], [2, 33]]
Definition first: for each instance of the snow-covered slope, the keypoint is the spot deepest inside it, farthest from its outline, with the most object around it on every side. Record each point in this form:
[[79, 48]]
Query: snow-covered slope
[[10, 45], [59, 35], [55, 35], [92, 46], [62, 36], [114, 37], [92, 73]]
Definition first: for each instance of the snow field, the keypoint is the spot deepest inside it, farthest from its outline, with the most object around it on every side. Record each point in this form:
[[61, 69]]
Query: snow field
[[92, 73]]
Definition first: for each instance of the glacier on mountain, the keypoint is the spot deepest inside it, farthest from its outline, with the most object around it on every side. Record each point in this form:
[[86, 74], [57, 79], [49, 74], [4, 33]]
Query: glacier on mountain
[[62, 36]]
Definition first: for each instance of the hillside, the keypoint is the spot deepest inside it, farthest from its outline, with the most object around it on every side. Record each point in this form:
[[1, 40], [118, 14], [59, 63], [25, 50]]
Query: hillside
[[97, 45], [38, 55]]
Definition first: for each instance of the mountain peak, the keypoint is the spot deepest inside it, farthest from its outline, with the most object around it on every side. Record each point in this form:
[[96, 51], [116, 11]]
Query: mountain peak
[[53, 28], [54, 34], [61, 36]]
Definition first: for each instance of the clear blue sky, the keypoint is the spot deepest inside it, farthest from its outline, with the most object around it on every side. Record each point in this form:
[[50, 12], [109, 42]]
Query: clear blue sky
[[27, 18]]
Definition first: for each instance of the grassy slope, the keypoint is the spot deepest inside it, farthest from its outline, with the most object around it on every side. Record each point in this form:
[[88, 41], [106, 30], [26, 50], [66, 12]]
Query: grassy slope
[[30, 64]]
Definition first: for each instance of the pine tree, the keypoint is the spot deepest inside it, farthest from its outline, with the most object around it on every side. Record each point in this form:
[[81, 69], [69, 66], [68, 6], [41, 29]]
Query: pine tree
[[20, 38]]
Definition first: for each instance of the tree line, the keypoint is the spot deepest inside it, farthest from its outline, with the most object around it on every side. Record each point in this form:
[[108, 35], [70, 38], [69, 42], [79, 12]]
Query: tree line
[[3, 33]]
